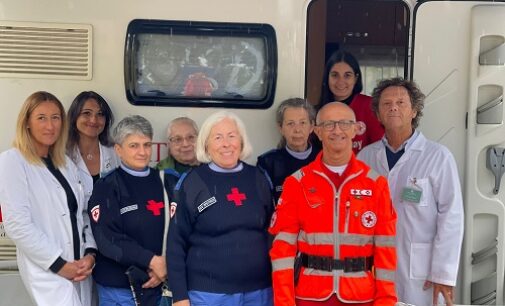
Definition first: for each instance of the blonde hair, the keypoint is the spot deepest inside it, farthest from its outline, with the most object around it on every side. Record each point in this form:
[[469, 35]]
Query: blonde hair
[[24, 140], [201, 143]]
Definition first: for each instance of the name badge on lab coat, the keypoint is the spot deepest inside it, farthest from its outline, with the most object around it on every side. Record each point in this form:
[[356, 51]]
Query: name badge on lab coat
[[412, 194]]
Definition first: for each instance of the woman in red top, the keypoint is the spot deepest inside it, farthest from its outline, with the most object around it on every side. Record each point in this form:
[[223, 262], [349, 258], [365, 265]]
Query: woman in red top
[[342, 82]]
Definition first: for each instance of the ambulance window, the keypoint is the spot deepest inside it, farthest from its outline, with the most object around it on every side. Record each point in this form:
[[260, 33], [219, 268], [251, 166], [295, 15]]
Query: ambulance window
[[173, 63], [375, 32]]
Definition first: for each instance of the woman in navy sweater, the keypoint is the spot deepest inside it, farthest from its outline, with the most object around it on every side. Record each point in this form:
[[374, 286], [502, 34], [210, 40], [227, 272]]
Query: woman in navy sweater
[[295, 119], [127, 217], [218, 243]]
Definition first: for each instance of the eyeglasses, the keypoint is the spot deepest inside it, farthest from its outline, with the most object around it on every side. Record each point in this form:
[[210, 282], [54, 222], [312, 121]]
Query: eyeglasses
[[178, 140], [342, 124]]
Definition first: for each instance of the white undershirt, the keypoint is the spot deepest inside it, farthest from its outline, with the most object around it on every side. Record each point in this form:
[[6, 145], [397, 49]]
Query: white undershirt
[[337, 169]]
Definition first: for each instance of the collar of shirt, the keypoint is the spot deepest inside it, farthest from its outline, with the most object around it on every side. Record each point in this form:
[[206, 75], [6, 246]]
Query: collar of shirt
[[216, 168], [405, 145], [300, 155], [335, 177], [142, 173]]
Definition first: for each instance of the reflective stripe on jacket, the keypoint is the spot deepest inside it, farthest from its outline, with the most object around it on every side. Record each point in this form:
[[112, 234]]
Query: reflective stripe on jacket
[[363, 225]]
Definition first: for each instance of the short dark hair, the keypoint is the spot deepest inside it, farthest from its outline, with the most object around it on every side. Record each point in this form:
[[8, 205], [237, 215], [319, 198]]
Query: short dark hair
[[339, 56], [75, 110], [415, 94]]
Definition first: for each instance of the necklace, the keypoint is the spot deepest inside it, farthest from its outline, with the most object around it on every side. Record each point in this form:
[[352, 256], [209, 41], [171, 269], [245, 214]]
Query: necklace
[[90, 155]]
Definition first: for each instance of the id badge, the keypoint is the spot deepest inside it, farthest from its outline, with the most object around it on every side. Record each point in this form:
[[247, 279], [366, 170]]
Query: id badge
[[412, 192]]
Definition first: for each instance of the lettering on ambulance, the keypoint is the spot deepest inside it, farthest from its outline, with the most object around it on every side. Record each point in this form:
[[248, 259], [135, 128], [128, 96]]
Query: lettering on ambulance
[[157, 151]]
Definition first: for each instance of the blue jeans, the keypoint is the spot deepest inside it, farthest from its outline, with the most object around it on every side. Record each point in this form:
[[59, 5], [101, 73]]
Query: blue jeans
[[112, 296], [262, 297]]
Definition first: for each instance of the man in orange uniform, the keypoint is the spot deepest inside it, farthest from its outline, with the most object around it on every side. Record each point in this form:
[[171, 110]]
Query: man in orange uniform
[[336, 218]]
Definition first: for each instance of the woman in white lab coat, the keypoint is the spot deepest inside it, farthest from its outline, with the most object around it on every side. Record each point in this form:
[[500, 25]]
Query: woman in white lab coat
[[43, 207], [89, 144]]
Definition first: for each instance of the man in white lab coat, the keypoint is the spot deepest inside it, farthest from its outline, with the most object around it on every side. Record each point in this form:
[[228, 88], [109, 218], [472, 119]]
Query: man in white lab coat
[[426, 193]]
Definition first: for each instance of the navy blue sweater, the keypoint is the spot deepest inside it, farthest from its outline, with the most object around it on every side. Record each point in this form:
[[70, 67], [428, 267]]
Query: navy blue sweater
[[218, 240], [279, 164], [130, 223]]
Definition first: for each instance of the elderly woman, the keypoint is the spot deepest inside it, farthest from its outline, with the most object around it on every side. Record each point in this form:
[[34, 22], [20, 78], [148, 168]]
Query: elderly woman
[[218, 243], [126, 209], [295, 120], [181, 135], [43, 207]]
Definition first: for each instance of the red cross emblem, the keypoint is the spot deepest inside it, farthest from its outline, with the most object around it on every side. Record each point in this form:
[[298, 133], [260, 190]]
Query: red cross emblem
[[368, 219], [154, 207], [95, 213], [236, 197]]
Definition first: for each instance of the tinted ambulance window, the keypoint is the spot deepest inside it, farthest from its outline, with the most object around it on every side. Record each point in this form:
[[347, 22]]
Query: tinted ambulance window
[[200, 64]]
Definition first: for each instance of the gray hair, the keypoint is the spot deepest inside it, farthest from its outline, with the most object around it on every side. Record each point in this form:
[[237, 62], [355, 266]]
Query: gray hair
[[208, 124], [181, 120], [293, 103], [132, 125], [415, 94]]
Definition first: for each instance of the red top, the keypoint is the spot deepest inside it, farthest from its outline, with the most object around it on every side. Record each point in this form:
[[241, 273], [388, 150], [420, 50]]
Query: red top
[[362, 107]]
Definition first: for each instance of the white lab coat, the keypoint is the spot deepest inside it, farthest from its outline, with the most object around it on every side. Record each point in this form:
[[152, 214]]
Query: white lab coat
[[36, 217], [108, 162], [429, 233]]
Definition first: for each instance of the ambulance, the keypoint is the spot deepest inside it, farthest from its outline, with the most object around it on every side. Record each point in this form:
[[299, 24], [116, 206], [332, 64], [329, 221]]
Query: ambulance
[[168, 58]]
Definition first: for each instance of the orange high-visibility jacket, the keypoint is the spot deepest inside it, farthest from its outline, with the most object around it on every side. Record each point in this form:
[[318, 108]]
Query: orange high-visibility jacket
[[357, 220]]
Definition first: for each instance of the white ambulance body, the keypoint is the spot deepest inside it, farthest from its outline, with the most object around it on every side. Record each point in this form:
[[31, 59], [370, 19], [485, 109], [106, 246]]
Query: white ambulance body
[[145, 57]]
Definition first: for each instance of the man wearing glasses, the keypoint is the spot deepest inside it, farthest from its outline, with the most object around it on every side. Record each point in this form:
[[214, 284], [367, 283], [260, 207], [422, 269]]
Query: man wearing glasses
[[181, 133], [334, 225], [426, 192]]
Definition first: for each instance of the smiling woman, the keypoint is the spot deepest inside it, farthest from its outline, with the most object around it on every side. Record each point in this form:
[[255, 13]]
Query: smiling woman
[[218, 244], [89, 144], [343, 82], [43, 207]]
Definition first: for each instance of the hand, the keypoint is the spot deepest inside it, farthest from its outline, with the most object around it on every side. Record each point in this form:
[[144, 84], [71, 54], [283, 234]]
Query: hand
[[159, 267], [85, 265], [182, 303], [69, 270], [447, 292], [153, 282]]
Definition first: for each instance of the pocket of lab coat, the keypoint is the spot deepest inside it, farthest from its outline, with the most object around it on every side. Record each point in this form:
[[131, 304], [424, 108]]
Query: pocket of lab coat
[[420, 260]]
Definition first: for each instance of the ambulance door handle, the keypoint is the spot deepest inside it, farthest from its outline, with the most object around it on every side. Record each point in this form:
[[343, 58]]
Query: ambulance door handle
[[496, 163]]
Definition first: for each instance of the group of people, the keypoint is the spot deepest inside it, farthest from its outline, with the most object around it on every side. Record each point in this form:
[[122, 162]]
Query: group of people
[[354, 206]]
